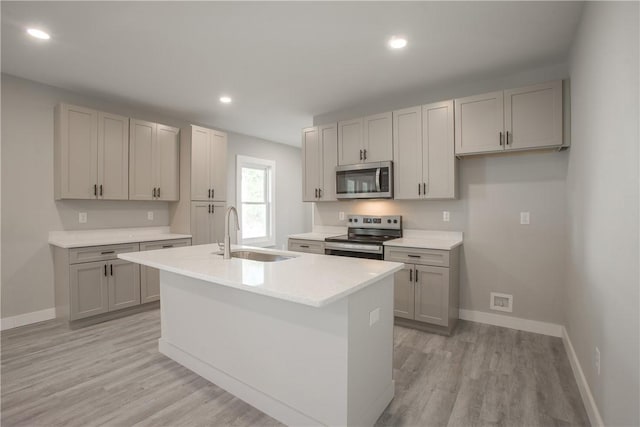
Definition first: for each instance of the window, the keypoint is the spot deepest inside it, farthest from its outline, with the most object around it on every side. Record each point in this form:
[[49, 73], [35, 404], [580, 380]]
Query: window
[[255, 180]]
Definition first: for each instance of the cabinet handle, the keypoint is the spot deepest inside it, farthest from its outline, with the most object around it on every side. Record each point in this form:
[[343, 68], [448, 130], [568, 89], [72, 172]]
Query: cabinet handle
[[304, 246], [158, 191], [424, 188], [365, 154], [101, 189], [500, 138], [413, 256], [154, 192], [167, 246], [411, 275], [107, 252], [213, 209], [105, 270], [319, 192], [316, 192], [95, 189], [209, 196], [111, 269], [360, 154], [416, 276], [213, 193], [209, 208], [506, 139], [419, 193]]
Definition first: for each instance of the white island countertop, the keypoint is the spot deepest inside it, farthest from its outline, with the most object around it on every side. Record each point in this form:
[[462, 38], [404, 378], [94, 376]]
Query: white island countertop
[[111, 236], [426, 239], [320, 232], [309, 279]]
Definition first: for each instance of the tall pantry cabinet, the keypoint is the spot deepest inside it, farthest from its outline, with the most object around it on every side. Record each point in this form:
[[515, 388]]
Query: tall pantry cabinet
[[203, 175]]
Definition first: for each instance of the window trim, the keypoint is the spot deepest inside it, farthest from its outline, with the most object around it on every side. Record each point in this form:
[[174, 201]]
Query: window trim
[[270, 166]]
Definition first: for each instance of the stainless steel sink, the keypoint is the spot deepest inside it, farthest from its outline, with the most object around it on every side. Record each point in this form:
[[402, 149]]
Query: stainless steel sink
[[259, 256]]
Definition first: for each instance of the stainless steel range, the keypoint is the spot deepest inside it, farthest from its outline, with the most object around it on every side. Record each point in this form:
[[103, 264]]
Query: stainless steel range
[[365, 236]]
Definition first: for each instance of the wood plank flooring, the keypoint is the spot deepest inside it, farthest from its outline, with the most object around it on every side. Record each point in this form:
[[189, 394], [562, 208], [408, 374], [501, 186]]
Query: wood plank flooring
[[111, 374]]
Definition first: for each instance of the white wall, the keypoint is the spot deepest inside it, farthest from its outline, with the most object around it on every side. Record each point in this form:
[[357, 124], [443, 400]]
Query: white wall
[[499, 254], [602, 296], [29, 210]]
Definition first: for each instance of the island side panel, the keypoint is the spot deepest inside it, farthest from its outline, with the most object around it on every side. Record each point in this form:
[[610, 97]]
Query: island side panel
[[286, 359], [371, 385]]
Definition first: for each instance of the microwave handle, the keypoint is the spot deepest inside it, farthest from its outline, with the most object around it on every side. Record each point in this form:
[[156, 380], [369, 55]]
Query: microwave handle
[[378, 180]]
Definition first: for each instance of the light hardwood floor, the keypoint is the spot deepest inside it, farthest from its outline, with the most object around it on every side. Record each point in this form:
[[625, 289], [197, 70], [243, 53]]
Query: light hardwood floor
[[112, 374]]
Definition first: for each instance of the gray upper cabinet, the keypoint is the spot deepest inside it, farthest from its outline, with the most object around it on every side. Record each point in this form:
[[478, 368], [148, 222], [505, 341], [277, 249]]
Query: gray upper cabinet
[[319, 161], [423, 145], [208, 164], [153, 161], [368, 139], [516, 119], [90, 154], [207, 222]]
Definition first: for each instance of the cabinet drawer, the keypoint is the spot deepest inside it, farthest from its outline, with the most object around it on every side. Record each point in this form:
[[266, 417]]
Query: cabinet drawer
[[164, 244], [417, 256], [100, 253], [308, 246]]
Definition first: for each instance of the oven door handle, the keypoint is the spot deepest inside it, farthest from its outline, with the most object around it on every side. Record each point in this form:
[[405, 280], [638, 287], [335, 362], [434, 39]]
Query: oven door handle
[[354, 247], [378, 180]]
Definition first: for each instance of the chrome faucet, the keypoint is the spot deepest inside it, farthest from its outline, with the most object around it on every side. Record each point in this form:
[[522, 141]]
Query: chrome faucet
[[227, 236]]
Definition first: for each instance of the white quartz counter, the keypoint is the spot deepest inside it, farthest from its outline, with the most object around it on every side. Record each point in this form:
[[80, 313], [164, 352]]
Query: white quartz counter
[[309, 279], [111, 236], [320, 233], [424, 239]]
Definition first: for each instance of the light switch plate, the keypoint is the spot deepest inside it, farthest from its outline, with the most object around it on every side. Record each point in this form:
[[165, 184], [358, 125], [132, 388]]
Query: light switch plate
[[374, 316], [446, 217], [341, 216], [150, 215], [524, 218], [82, 217]]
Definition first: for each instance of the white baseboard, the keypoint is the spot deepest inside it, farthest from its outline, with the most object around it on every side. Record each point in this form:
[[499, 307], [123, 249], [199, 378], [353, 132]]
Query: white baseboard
[[581, 380], [27, 318], [526, 325]]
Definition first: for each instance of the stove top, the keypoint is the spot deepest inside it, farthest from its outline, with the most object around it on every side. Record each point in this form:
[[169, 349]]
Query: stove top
[[357, 238], [372, 230]]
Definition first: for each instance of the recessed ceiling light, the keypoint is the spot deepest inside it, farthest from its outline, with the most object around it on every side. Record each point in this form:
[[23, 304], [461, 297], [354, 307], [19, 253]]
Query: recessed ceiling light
[[39, 34], [397, 42], [225, 99]]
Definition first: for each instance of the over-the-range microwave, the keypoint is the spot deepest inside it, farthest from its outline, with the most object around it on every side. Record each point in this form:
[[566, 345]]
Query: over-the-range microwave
[[365, 181]]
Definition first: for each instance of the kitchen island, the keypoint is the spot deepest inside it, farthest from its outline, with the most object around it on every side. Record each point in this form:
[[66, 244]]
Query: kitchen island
[[307, 339]]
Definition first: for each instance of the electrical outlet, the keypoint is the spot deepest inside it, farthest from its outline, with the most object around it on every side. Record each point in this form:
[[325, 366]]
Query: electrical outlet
[[150, 215], [445, 216], [374, 316], [341, 216], [82, 217], [524, 218], [597, 361], [501, 302]]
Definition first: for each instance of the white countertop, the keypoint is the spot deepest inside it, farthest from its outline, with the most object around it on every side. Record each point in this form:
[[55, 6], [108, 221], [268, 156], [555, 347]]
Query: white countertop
[[425, 239], [111, 236], [309, 279], [320, 232]]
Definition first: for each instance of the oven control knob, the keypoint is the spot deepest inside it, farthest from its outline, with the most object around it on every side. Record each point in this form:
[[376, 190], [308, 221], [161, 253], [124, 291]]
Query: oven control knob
[[355, 220], [395, 221], [350, 220], [388, 221]]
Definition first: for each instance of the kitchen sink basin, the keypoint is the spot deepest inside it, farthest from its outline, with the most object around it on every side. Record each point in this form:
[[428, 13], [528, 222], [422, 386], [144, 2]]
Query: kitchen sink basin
[[259, 256]]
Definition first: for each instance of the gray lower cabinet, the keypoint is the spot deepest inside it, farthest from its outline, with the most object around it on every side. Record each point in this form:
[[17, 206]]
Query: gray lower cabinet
[[88, 291], [124, 284], [149, 276], [426, 289], [307, 246]]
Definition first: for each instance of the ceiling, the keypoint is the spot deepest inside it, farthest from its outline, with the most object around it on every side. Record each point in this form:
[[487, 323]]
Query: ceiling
[[281, 62]]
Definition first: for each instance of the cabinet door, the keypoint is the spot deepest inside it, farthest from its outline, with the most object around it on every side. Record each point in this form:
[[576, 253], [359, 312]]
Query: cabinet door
[[479, 123], [200, 158], [78, 152], [124, 284], [216, 223], [310, 164], [378, 137], [149, 276], [438, 152], [328, 155], [200, 223], [218, 165], [350, 142], [113, 156], [533, 116], [167, 163], [407, 152], [88, 292], [403, 293], [142, 137], [432, 295]]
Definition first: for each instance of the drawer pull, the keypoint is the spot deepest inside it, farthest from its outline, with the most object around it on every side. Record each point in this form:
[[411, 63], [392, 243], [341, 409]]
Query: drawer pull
[[304, 246], [105, 270], [111, 266], [411, 275], [413, 256], [167, 246], [107, 252]]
